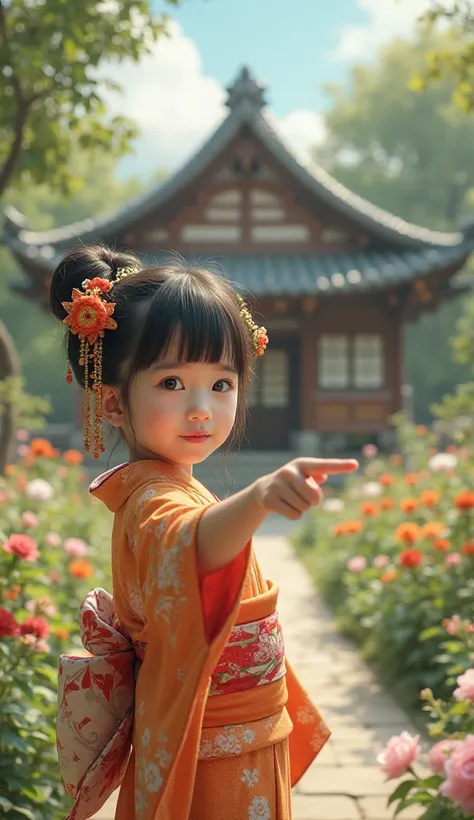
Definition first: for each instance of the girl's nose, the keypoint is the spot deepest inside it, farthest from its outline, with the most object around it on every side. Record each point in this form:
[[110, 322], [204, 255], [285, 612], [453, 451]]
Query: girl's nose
[[200, 409]]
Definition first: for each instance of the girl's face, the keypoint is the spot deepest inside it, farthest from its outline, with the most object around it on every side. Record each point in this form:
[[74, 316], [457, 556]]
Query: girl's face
[[181, 412]]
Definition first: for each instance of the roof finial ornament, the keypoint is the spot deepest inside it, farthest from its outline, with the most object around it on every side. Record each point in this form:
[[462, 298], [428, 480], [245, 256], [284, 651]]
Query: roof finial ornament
[[246, 92]]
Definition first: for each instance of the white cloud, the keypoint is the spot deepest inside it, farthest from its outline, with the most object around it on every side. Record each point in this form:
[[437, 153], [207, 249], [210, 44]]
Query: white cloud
[[177, 107], [386, 19]]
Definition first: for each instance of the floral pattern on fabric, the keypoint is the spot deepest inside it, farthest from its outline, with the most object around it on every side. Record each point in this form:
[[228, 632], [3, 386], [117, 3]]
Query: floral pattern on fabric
[[243, 738], [254, 656]]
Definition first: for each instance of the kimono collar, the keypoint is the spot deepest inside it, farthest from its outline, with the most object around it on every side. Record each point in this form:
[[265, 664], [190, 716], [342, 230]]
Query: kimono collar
[[115, 486]]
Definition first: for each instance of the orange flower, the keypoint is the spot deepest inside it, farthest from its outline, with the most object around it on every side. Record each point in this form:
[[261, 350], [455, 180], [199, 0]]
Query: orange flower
[[468, 548], [465, 501], [388, 576], [408, 505], [386, 479], [353, 527], [421, 430], [442, 544], [368, 508], [432, 529], [13, 593], [411, 479], [62, 634], [89, 316], [73, 457], [81, 569], [411, 558], [408, 533], [10, 470], [42, 447], [348, 527], [429, 498], [387, 503]]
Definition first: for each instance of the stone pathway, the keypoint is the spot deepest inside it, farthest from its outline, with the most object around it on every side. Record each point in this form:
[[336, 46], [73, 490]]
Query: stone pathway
[[344, 783]]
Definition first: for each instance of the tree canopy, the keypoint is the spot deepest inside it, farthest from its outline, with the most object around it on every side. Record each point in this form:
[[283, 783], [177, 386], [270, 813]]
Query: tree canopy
[[411, 152], [53, 86]]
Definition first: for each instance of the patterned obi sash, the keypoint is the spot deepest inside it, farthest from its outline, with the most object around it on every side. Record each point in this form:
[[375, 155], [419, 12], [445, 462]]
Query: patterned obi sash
[[254, 656], [250, 675]]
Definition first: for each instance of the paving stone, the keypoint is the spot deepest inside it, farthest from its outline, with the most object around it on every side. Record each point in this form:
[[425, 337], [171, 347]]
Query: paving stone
[[324, 808], [375, 808], [353, 781]]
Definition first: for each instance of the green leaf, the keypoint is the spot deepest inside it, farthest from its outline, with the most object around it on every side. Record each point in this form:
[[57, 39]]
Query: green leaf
[[401, 791]]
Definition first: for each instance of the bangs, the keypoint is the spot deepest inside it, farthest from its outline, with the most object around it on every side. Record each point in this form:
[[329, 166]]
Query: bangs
[[195, 322]]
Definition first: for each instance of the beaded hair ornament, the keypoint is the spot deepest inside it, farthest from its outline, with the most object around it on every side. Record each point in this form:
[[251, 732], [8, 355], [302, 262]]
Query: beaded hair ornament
[[89, 315]]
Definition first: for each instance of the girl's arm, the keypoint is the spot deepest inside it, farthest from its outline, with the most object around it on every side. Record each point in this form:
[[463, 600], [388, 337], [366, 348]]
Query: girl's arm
[[226, 527]]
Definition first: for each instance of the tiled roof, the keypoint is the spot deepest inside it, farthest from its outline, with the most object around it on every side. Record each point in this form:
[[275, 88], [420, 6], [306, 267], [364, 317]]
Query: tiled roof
[[245, 102], [299, 274]]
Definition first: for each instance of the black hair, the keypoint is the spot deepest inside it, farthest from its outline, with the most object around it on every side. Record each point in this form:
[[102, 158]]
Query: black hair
[[155, 305]]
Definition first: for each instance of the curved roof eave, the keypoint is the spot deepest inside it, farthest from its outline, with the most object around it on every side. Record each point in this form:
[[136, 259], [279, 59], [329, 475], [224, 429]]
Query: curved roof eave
[[372, 218]]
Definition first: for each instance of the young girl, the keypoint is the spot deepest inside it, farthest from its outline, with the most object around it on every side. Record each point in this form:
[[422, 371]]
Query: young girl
[[210, 722]]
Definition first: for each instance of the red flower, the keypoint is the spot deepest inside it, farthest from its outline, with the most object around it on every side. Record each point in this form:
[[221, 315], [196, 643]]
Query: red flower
[[36, 626], [468, 548], [368, 508], [8, 624], [23, 546], [465, 501], [411, 558], [100, 284]]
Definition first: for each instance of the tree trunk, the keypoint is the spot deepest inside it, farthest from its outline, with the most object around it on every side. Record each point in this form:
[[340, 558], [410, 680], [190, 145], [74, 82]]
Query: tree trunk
[[9, 366]]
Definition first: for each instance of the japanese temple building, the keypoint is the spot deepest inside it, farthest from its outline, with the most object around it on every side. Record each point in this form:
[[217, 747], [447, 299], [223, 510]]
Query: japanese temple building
[[332, 277]]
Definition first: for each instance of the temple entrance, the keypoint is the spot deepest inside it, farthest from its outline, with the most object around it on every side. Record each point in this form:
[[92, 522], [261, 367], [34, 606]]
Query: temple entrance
[[274, 397]]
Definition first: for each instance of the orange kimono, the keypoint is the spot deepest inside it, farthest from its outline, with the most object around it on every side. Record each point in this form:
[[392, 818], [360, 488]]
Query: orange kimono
[[222, 726]]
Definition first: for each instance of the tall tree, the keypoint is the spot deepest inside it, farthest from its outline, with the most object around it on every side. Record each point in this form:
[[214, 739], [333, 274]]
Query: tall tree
[[454, 58], [413, 154], [52, 94]]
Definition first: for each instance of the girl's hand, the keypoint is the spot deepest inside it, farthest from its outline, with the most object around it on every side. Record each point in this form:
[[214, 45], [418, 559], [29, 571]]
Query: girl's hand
[[294, 488]]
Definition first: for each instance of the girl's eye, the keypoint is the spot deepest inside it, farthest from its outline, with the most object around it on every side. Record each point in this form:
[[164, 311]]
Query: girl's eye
[[172, 383], [223, 386]]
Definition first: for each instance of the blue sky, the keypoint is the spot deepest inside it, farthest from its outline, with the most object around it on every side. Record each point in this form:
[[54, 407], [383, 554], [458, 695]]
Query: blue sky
[[287, 43], [176, 95]]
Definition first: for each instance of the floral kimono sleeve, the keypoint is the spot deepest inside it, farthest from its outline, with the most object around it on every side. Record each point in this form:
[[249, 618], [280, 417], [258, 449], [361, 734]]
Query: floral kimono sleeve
[[163, 532]]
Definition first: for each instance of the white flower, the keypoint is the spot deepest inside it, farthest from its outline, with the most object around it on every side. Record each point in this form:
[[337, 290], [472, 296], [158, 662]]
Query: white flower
[[442, 461], [153, 778], [333, 505], [205, 748], [146, 737], [372, 489], [248, 736], [259, 809], [228, 744], [164, 758], [39, 490], [250, 777]]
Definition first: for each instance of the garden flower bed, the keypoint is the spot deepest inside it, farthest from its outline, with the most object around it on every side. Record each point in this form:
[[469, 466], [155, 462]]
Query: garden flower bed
[[54, 547], [393, 554]]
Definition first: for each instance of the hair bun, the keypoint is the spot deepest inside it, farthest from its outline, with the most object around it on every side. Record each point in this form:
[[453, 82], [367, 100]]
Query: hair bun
[[85, 262]]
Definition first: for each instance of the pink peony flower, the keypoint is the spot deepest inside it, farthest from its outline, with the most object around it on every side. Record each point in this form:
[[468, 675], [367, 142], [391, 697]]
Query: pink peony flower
[[23, 546], [401, 751], [52, 539], [439, 754], [465, 689], [23, 450], [381, 561], [459, 768], [41, 606], [357, 563], [369, 450], [29, 519], [453, 625], [76, 547], [22, 435], [453, 559]]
